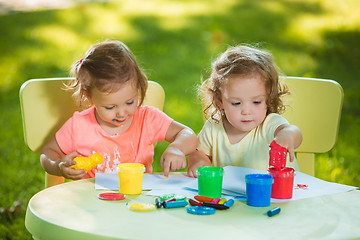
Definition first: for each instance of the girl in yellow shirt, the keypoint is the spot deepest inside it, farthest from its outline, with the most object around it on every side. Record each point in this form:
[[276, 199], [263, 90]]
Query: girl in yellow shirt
[[243, 100]]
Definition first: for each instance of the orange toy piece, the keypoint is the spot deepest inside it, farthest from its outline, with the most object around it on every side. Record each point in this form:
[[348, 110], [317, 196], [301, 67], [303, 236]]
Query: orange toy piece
[[87, 163], [203, 198]]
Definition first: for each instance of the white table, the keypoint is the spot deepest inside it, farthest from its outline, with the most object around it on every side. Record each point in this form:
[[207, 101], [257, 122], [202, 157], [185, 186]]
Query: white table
[[73, 211]]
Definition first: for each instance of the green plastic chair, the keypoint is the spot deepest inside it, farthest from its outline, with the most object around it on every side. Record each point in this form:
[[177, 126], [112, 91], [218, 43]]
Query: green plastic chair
[[45, 106]]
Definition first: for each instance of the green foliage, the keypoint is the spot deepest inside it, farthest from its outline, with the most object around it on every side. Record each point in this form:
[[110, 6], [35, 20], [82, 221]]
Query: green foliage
[[175, 42]]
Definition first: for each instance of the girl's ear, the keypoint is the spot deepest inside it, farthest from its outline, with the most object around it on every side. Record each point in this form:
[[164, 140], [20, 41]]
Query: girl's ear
[[218, 103], [88, 97], [221, 104]]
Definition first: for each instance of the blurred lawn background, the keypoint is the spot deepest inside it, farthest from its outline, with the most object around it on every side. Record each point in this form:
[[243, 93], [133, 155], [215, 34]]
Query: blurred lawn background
[[174, 42]]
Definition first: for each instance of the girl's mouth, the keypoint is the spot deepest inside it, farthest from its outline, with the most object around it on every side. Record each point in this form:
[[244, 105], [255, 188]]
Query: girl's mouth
[[246, 121], [118, 121]]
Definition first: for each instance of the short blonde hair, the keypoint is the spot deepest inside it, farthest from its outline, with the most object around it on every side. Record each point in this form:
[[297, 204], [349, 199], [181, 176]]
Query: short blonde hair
[[242, 60]]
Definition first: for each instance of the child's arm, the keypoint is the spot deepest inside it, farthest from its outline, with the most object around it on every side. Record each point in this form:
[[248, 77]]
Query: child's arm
[[183, 141], [55, 162], [289, 137], [197, 159]]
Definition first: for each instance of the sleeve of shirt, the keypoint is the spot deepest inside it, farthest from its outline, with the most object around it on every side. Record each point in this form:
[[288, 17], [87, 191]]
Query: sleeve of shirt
[[271, 123], [158, 124], [65, 136], [206, 139]]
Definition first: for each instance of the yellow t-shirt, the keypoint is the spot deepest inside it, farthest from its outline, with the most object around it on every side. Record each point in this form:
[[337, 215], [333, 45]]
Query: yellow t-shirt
[[251, 152]]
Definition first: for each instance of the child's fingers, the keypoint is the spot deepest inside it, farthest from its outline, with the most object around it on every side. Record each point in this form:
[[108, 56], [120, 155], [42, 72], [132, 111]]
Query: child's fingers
[[165, 165], [64, 164], [192, 173], [180, 164], [73, 155], [74, 174], [162, 162], [292, 155], [69, 159], [177, 163], [68, 163], [78, 176]]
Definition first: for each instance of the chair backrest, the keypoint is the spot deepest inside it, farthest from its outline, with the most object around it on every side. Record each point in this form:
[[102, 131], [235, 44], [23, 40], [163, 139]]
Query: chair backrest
[[46, 105], [314, 105]]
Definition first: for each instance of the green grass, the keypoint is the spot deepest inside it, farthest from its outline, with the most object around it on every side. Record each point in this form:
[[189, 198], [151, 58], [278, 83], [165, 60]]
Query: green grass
[[175, 42]]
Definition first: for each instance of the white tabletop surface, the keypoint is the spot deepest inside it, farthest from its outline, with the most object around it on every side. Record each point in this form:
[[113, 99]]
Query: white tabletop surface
[[73, 211]]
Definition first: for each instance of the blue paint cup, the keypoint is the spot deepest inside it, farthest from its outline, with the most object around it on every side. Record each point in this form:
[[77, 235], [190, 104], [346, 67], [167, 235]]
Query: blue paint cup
[[258, 189]]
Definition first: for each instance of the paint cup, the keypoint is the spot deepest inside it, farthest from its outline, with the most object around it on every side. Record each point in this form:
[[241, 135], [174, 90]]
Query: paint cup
[[283, 182], [130, 177], [258, 189], [210, 181]]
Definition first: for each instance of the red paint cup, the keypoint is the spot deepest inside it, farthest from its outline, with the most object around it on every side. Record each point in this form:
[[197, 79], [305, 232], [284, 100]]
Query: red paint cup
[[283, 185]]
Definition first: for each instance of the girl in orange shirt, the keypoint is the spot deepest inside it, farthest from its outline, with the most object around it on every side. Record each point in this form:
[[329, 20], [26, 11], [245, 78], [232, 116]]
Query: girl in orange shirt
[[116, 125]]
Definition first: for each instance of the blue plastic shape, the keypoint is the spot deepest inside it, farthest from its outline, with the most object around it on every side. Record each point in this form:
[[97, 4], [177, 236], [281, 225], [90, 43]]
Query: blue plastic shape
[[200, 210], [175, 204]]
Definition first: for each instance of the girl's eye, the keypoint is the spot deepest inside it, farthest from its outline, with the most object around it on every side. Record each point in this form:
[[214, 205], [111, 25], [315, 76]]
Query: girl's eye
[[257, 102], [235, 103], [131, 102], [109, 108]]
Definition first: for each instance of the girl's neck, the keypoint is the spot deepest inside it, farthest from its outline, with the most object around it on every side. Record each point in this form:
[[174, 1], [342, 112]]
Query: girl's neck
[[234, 135]]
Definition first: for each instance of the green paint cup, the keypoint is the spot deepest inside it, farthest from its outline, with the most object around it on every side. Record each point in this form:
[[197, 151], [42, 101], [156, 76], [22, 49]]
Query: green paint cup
[[210, 181]]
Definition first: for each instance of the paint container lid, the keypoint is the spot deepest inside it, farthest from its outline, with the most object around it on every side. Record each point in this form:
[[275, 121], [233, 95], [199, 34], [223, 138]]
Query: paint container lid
[[210, 171], [259, 179], [142, 207], [111, 196], [131, 168]]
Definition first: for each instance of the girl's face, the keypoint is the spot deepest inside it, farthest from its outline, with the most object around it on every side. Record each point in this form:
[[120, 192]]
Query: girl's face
[[117, 108], [244, 102]]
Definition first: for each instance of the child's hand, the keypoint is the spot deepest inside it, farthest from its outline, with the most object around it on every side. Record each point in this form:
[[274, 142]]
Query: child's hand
[[172, 159], [192, 169], [288, 144], [289, 137], [66, 170], [195, 160]]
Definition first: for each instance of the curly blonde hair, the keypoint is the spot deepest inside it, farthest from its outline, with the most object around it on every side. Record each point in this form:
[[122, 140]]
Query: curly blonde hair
[[106, 66], [242, 60]]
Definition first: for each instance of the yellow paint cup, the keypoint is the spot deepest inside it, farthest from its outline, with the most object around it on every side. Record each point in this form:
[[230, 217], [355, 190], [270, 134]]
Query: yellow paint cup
[[130, 177]]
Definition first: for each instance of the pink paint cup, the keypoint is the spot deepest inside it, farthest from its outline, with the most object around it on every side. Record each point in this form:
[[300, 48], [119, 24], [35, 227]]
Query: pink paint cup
[[283, 185]]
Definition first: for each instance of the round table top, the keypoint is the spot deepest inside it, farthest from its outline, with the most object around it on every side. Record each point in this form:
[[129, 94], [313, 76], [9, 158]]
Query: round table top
[[73, 211]]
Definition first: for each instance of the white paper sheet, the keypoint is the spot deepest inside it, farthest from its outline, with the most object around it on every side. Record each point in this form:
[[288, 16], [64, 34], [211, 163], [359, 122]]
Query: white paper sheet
[[234, 186], [106, 181], [110, 181]]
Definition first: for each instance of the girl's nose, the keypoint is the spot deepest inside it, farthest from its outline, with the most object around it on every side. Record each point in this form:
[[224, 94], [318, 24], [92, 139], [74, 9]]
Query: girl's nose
[[245, 110], [120, 114]]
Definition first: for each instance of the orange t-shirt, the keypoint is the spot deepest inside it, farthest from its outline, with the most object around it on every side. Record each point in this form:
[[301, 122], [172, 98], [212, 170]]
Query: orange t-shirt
[[83, 134]]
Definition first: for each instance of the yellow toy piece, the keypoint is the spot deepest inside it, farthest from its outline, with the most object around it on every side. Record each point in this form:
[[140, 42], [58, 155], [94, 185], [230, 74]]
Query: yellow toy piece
[[87, 163]]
